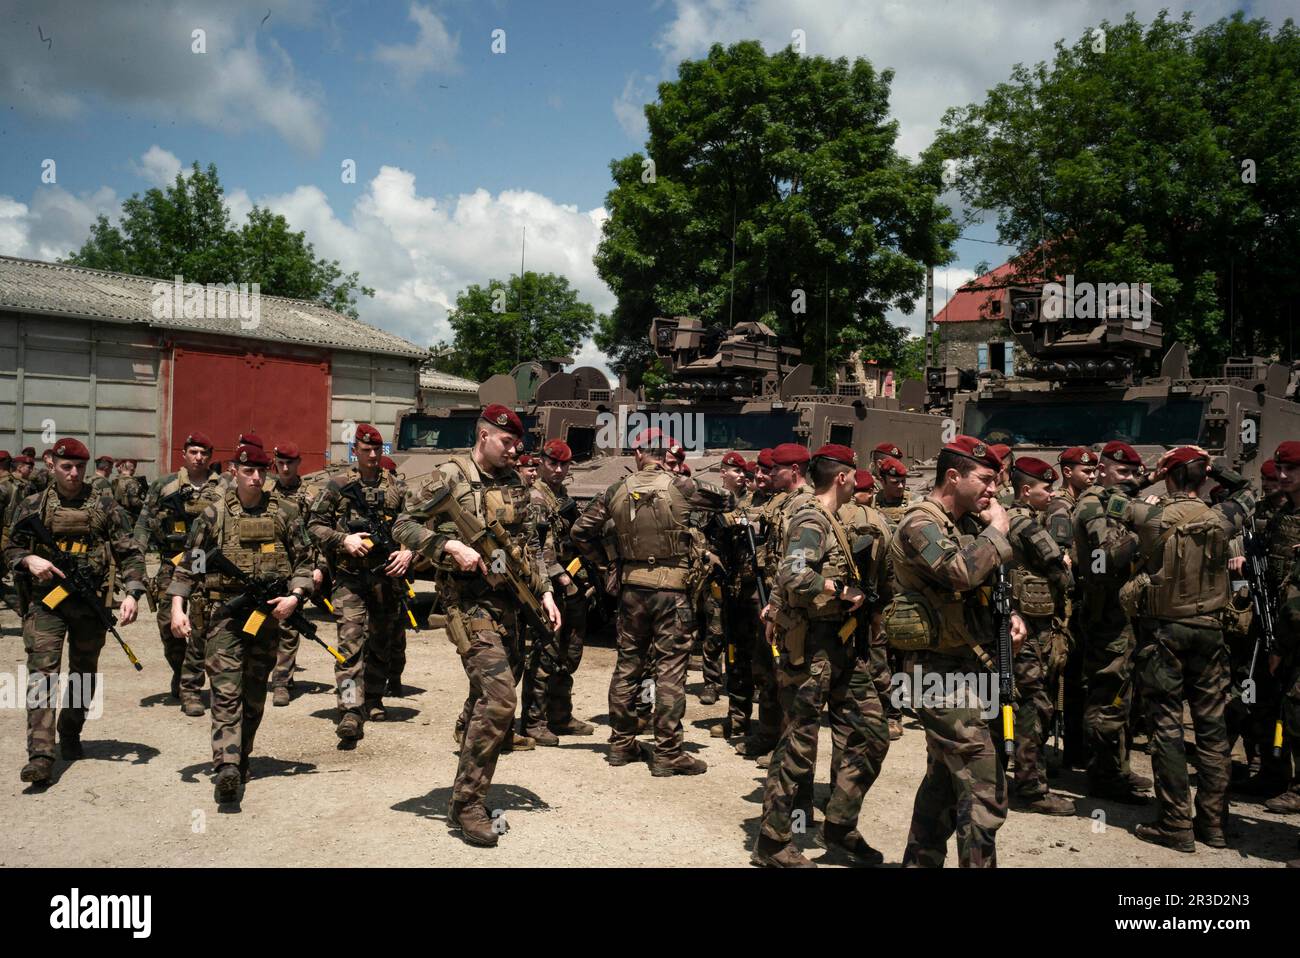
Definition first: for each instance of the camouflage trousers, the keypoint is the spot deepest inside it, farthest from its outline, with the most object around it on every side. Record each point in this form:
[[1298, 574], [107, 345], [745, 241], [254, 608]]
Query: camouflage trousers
[[1077, 749], [766, 690], [1290, 712], [239, 667], [550, 691], [369, 620], [1177, 662], [743, 642], [831, 675], [654, 644], [1108, 678], [185, 656], [715, 641], [965, 788], [43, 635], [1036, 674], [493, 663], [286, 655]]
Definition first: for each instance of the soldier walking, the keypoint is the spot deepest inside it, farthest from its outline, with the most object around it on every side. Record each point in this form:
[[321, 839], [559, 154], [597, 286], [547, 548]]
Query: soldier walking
[[285, 482]]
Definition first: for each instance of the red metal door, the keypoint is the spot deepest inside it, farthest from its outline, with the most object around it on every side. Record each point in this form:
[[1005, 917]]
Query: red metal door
[[224, 393]]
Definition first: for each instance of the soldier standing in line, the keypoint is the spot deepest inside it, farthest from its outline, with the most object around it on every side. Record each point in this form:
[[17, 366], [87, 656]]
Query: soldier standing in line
[[91, 531], [740, 641], [723, 547], [483, 614], [650, 510], [43, 473], [126, 489], [945, 550], [762, 479], [893, 497], [261, 534], [882, 451], [1078, 466], [815, 630], [1104, 552], [366, 597], [8, 485], [22, 487], [285, 482], [1041, 583], [1006, 495], [101, 483], [171, 504], [863, 517], [527, 466], [1175, 596], [550, 703]]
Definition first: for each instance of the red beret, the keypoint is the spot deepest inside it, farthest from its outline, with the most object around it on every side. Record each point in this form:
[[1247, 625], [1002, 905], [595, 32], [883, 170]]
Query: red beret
[[386, 463], [558, 450], [764, 459], [790, 454], [1035, 468], [526, 460], [368, 434], [1287, 453], [973, 448], [247, 455], [1001, 450], [502, 417], [1183, 455], [751, 466], [4, 455], [891, 466], [250, 439], [676, 450], [837, 453], [686, 470], [71, 449], [863, 481], [107, 459], [287, 450], [1268, 469], [889, 449], [27, 460], [198, 439], [652, 438], [29, 451], [734, 459], [1077, 456], [1121, 452]]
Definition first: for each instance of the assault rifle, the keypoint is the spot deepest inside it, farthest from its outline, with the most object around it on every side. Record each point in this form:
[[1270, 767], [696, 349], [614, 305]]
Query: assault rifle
[[1006, 680], [173, 523], [78, 582], [379, 531], [258, 593], [1256, 569]]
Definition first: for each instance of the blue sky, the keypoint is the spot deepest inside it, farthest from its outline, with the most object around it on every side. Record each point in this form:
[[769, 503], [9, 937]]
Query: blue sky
[[457, 148]]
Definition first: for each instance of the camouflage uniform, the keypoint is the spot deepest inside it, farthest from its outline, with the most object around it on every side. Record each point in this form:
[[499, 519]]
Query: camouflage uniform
[[267, 540], [1183, 656], [127, 493], [742, 638], [1282, 539], [101, 485], [655, 615], [1040, 585], [301, 496], [1106, 635], [158, 528], [893, 511], [369, 607], [1059, 522], [90, 529], [964, 789], [820, 666], [482, 620]]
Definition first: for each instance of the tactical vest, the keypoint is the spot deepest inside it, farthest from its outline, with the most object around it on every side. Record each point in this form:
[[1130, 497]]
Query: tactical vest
[[1183, 570], [776, 515], [506, 506], [255, 544], [172, 529], [74, 530], [894, 513], [921, 614], [1283, 537], [1031, 593], [836, 563], [653, 535]]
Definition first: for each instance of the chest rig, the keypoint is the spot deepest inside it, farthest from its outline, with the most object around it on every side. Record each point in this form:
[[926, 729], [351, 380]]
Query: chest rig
[[74, 527], [253, 543]]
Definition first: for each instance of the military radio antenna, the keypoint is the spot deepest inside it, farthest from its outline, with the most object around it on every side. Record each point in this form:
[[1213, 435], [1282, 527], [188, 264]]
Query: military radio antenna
[[731, 299]]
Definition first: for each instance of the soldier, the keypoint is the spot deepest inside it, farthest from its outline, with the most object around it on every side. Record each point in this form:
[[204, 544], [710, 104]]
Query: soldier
[[1178, 588], [882, 451], [864, 488], [483, 614], [527, 470], [1104, 549], [22, 488], [820, 666], [386, 463], [42, 474], [171, 504], [862, 516], [288, 485], [1078, 472], [8, 484], [368, 599], [763, 465], [101, 482], [126, 489], [945, 549], [550, 702], [91, 531], [650, 510], [739, 610], [263, 535], [893, 497], [1006, 495], [1040, 587]]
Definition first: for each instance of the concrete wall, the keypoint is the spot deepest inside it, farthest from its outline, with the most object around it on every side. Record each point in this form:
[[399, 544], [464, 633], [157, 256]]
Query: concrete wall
[[373, 389]]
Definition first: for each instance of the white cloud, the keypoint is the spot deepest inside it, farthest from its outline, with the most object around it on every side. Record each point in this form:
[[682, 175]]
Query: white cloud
[[158, 166], [142, 57], [434, 49], [54, 224], [629, 106]]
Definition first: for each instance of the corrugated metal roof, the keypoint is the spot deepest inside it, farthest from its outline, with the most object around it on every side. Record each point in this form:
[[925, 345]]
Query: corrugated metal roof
[[446, 382], [53, 289]]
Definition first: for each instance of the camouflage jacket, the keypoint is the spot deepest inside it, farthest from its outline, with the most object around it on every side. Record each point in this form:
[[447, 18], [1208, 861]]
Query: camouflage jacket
[[1104, 549], [862, 520], [108, 543], [1036, 558], [1281, 541], [816, 547], [127, 493], [546, 505], [206, 534], [331, 511], [893, 511], [1058, 520], [157, 528], [8, 492], [101, 485]]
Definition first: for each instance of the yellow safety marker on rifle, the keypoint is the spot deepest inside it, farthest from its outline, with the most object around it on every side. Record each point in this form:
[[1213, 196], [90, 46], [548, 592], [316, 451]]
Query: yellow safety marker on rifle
[[1277, 738], [328, 604], [410, 594], [54, 597], [253, 625], [574, 566], [1009, 729], [848, 628], [176, 559]]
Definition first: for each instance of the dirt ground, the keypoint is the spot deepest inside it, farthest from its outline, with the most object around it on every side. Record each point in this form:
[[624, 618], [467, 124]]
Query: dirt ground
[[143, 794]]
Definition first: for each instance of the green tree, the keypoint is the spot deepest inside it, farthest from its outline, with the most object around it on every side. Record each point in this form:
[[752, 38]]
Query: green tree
[[1166, 156], [504, 323], [186, 230], [793, 156]]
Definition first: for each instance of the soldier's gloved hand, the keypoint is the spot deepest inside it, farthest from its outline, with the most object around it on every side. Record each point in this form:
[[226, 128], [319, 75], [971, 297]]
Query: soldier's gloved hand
[[129, 610], [357, 544], [43, 569], [466, 558], [1018, 632], [399, 562], [552, 610]]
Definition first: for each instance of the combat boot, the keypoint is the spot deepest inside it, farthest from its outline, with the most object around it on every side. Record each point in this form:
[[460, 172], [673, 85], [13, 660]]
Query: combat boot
[[474, 823], [843, 838], [769, 853], [709, 696], [192, 706], [1048, 803], [1209, 833], [70, 746], [518, 743], [573, 727], [753, 746], [349, 728], [1117, 791], [681, 765], [542, 736], [394, 689], [1139, 783], [721, 730], [228, 781], [1288, 803], [622, 756], [280, 697], [37, 770], [1157, 834], [176, 686], [895, 730], [375, 712]]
